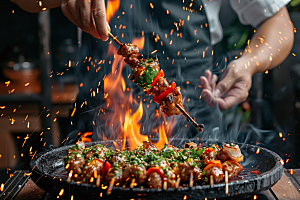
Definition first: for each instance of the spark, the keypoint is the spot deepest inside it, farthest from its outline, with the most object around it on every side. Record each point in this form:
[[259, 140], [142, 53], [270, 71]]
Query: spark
[[7, 83], [291, 172], [154, 51], [151, 5], [254, 197], [12, 121], [2, 187], [2, 107], [61, 192], [258, 150], [67, 166], [73, 112], [293, 54], [282, 162], [280, 134], [267, 71], [40, 3], [28, 124], [168, 12], [13, 11]]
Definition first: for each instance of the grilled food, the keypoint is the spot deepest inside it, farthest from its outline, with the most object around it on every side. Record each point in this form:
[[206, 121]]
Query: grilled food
[[151, 167]]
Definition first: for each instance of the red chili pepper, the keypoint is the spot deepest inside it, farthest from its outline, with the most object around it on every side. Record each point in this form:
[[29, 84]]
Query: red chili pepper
[[160, 97], [209, 150], [159, 75], [212, 161], [105, 168], [157, 170]]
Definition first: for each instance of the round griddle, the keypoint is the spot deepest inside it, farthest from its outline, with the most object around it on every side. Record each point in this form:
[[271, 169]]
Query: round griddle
[[49, 174]]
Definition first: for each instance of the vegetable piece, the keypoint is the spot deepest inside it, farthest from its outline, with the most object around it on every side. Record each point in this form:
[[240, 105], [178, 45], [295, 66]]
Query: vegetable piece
[[157, 170], [210, 149], [236, 163], [105, 168], [160, 97], [159, 75], [213, 165], [212, 161]]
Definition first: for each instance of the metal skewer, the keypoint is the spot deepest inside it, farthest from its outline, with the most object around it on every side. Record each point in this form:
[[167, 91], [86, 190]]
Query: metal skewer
[[187, 116]]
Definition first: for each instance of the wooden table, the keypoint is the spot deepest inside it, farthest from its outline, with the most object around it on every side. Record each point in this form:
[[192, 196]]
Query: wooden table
[[287, 188]]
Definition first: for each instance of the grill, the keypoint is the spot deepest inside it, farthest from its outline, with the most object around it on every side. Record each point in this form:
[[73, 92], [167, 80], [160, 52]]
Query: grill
[[50, 175]]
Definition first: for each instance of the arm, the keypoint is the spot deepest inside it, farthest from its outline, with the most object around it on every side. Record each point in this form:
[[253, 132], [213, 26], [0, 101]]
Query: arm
[[90, 15], [34, 6], [269, 47]]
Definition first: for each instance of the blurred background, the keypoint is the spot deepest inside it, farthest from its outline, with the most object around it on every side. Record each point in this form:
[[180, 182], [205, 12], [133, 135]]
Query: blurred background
[[38, 84]]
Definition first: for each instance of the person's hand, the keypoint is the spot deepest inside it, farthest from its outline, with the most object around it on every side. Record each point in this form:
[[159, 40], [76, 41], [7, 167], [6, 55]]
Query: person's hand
[[89, 15], [232, 88]]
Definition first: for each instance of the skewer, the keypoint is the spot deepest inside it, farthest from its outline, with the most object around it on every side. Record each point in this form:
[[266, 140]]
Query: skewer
[[111, 185], [70, 176], [211, 180], [226, 182], [114, 38], [191, 180], [165, 185], [98, 180], [187, 116], [132, 183], [177, 182]]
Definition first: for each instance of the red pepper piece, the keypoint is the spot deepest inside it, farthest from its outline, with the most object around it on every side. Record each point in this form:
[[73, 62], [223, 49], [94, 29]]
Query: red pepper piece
[[236, 163], [209, 150], [157, 170], [219, 165], [212, 161], [105, 168], [161, 96], [159, 75]]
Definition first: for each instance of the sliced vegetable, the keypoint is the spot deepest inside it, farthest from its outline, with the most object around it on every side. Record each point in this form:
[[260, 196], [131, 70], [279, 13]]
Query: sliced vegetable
[[160, 97], [147, 76], [212, 161], [159, 75], [209, 149], [236, 163], [219, 165], [157, 170], [105, 168]]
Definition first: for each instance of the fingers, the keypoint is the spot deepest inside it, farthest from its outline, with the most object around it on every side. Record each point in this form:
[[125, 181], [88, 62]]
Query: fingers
[[208, 81], [87, 23], [99, 15], [88, 15]]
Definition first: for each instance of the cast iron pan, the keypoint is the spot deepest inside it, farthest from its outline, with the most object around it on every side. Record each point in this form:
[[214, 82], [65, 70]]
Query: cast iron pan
[[50, 175]]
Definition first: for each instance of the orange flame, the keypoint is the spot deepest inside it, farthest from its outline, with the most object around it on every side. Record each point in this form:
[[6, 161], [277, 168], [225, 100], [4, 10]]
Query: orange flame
[[124, 120], [85, 138], [111, 8]]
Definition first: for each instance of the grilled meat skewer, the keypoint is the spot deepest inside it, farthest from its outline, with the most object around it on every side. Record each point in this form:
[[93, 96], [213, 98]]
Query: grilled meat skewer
[[148, 75]]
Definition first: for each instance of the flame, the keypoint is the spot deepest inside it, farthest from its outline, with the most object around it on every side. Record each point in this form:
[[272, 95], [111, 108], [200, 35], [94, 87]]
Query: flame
[[140, 42], [132, 128], [162, 137], [122, 114], [111, 8], [84, 137]]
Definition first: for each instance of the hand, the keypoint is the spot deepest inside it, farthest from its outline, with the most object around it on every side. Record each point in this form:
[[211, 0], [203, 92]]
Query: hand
[[233, 87], [89, 15]]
